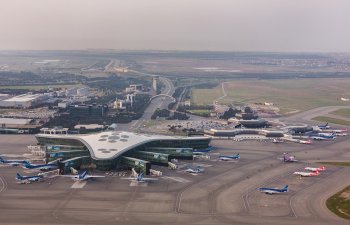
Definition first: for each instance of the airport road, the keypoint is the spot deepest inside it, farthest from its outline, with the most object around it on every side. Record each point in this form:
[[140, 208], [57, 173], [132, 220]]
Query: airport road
[[160, 102], [224, 194]]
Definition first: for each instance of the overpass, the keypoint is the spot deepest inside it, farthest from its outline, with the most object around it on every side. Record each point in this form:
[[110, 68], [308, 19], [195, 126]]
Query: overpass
[[163, 95]]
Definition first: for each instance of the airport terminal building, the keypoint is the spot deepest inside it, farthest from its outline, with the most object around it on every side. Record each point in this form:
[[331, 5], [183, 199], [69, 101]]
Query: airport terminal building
[[116, 149]]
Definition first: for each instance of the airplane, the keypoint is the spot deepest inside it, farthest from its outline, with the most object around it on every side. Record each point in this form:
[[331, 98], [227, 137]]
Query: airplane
[[209, 149], [314, 169], [229, 157], [340, 131], [318, 138], [308, 142], [28, 179], [274, 190], [287, 158], [277, 141], [11, 162], [82, 176], [42, 167], [326, 126], [198, 169], [307, 174], [327, 135], [139, 178]]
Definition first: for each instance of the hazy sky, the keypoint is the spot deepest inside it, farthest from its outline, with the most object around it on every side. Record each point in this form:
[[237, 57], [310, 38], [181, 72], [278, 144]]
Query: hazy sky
[[230, 25]]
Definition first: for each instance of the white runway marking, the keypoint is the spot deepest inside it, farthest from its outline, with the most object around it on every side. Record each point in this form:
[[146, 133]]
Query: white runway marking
[[78, 184], [138, 184], [203, 165], [178, 179]]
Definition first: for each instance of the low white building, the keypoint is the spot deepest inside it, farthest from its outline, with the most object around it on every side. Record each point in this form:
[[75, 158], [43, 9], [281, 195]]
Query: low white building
[[24, 101]]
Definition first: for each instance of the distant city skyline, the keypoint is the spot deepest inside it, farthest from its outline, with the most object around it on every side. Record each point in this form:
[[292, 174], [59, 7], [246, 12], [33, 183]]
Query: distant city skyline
[[199, 25]]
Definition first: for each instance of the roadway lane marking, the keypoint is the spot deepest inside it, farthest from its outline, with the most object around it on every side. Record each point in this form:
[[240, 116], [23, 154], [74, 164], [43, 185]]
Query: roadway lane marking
[[178, 179], [134, 183], [78, 184], [4, 185], [203, 165]]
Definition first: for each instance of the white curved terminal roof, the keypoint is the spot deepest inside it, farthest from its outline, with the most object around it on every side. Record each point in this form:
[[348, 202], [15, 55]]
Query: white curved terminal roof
[[111, 144]]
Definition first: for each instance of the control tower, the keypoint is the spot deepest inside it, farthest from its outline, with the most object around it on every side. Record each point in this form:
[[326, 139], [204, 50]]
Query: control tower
[[154, 82]]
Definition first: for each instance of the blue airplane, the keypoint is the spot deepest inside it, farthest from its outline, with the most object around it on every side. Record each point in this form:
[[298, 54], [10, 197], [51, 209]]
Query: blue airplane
[[28, 179], [43, 167], [139, 178], [209, 149], [11, 162], [82, 176], [323, 136], [229, 157], [274, 190]]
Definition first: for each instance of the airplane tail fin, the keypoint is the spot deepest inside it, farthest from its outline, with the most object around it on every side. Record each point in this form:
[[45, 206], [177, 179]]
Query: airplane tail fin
[[83, 174], [238, 156], [323, 168], [285, 188], [18, 176], [26, 164], [1, 159]]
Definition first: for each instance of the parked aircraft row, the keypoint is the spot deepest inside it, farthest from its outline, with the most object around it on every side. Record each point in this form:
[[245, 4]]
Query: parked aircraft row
[[26, 165], [11, 162]]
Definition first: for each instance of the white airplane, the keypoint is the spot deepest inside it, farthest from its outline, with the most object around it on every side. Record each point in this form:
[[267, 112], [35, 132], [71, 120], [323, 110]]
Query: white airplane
[[274, 190], [28, 179], [318, 138], [326, 135], [12, 162], [314, 169], [339, 131], [42, 167], [139, 178], [82, 176], [307, 174], [277, 141], [229, 157], [198, 169], [308, 142], [326, 126]]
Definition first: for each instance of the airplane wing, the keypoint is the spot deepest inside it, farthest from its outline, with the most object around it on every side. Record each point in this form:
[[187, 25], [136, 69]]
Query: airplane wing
[[93, 176], [71, 176], [147, 178]]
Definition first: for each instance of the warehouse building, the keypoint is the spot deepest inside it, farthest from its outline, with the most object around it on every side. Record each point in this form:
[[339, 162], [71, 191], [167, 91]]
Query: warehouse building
[[24, 101]]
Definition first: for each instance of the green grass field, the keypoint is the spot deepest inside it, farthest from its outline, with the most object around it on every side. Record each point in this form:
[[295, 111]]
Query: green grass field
[[337, 163], [332, 120], [340, 203], [342, 112], [200, 112], [290, 95]]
